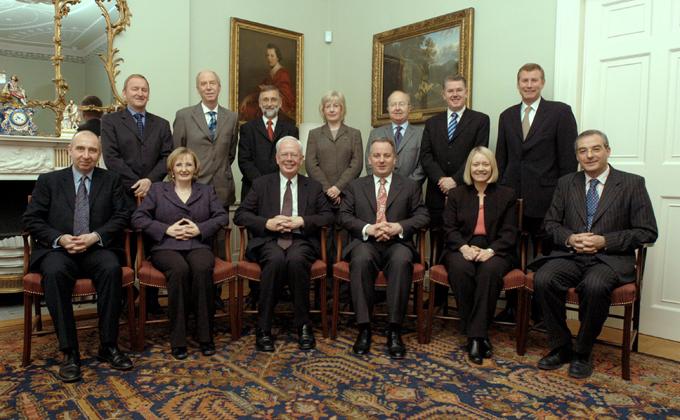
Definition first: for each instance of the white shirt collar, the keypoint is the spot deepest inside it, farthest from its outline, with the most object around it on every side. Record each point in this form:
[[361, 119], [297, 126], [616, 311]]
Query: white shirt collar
[[402, 125], [388, 178], [460, 113], [602, 177], [284, 180], [534, 105], [274, 120], [206, 109]]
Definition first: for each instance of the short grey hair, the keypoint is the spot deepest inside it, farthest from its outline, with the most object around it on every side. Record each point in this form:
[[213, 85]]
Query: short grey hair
[[282, 139], [219, 82], [592, 132]]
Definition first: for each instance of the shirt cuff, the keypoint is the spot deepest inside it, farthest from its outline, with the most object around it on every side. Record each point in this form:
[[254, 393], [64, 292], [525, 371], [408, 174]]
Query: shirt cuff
[[364, 233], [55, 244]]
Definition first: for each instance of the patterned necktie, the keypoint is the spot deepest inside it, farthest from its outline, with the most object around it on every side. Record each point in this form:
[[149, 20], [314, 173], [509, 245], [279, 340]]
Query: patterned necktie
[[140, 125], [81, 213], [270, 130], [212, 125], [286, 239], [382, 202], [453, 122], [526, 123], [397, 137], [592, 199]]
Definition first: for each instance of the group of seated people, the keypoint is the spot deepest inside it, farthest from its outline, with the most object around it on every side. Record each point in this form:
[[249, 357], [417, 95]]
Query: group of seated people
[[77, 216]]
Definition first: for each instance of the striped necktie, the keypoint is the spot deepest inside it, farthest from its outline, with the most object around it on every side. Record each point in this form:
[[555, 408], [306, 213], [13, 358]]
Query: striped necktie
[[212, 125], [592, 198], [140, 125], [453, 123]]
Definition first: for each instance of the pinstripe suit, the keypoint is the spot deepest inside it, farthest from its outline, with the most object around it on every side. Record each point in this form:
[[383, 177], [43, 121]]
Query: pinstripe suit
[[625, 218]]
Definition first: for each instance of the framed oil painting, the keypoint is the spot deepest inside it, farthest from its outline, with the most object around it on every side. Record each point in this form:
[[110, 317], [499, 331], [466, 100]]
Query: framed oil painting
[[416, 58], [264, 55]]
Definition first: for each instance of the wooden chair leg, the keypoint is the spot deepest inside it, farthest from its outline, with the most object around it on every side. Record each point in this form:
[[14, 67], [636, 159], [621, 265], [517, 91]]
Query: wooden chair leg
[[430, 312], [38, 313], [323, 307], [239, 306], [625, 347], [131, 315], [420, 320], [336, 307], [520, 321], [142, 318], [28, 328]]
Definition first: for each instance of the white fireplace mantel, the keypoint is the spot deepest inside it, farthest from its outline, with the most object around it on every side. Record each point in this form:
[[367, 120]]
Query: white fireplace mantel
[[26, 157]]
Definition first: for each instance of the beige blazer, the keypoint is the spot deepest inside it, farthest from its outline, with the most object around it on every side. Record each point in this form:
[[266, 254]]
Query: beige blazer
[[334, 161]]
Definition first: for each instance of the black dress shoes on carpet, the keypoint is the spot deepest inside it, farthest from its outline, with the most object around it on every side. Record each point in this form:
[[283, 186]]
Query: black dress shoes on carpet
[[208, 349], [115, 358], [69, 371], [395, 346], [556, 358], [476, 350], [264, 341], [581, 367], [362, 345], [306, 337], [179, 353]]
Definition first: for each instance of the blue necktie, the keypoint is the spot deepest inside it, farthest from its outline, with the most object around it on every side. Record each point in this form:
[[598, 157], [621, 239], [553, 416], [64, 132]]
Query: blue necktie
[[397, 137], [140, 125], [453, 122], [81, 212], [591, 202], [212, 125]]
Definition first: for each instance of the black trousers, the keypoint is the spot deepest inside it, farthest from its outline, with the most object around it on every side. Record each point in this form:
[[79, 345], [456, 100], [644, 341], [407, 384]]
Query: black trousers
[[395, 260], [190, 289], [594, 282], [477, 286], [59, 273], [279, 266]]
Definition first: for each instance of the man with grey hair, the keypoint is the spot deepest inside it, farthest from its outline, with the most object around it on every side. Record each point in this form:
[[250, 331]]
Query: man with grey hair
[[406, 137], [284, 212]]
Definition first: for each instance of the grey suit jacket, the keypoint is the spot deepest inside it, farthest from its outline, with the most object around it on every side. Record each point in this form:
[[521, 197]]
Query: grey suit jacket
[[334, 161], [624, 217], [190, 129], [408, 152]]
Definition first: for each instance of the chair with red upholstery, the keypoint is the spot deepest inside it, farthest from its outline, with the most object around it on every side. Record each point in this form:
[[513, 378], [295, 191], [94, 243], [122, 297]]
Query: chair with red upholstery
[[251, 271], [149, 276], [341, 273]]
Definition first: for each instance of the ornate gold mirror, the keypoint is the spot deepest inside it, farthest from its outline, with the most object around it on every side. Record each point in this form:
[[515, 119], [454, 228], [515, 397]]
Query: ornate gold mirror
[[60, 49]]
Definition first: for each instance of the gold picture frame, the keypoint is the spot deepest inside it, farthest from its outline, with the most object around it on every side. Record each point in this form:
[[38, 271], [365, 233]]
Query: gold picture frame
[[415, 58], [251, 65]]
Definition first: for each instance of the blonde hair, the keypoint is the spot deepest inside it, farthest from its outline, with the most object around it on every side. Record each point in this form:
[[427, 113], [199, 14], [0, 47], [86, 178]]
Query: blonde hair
[[487, 153], [333, 96], [181, 151]]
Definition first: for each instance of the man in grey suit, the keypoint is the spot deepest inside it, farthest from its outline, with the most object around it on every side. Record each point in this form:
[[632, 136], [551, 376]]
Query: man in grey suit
[[210, 130], [597, 218], [405, 136]]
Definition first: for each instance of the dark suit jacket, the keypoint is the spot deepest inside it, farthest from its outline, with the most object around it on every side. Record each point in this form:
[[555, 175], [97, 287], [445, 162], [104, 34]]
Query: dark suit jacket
[[263, 203], [624, 217], [130, 156], [50, 212], [93, 125], [443, 159], [334, 161], [408, 152], [190, 129], [162, 207], [500, 218], [532, 167], [404, 206], [256, 154]]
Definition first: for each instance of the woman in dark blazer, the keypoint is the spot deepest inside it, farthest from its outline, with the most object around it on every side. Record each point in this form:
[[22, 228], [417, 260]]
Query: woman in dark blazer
[[181, 217], [480, 224], [334, 154]]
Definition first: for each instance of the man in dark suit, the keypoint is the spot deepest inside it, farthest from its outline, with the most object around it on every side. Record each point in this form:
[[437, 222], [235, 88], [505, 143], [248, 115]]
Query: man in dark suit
[[447, 141], [534, 149], [284, 212], [406, 136], [382, 212], [256, 149], [597, 218], [91, 118], [136, 144], [76, 218]]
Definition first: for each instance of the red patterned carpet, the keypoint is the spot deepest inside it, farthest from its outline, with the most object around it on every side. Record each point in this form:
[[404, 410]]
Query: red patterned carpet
[[434, 381]]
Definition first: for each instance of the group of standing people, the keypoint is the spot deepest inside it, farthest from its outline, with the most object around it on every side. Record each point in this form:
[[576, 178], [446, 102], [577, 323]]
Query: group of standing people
[[470, 197]]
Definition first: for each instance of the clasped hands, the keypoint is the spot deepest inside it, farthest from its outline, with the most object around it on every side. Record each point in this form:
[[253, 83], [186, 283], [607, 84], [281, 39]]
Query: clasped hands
[[183, 230], [384, 231], [141, 187], [586, 242], [334, 194], [77, 244], [475, 253], [445, 184], [284, 224]]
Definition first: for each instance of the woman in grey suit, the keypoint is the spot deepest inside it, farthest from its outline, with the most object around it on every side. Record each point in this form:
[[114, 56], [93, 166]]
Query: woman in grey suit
[[181, 217], [334, 151]]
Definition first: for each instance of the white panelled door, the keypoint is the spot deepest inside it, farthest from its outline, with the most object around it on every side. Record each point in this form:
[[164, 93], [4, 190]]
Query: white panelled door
[[631, 91]]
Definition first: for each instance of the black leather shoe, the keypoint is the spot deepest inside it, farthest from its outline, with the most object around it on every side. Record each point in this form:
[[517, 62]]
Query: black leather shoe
[[69, 371], [488, 349], [179, 353], [556, 358], [306, 337], [395, 346], [581, 367], [507, 315], [208, 349], [362, 345], [476, 350], [264, 341], [115, 358]]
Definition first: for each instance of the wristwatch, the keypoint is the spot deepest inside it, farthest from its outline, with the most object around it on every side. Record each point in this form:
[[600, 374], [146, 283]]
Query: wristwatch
[[491, 251]]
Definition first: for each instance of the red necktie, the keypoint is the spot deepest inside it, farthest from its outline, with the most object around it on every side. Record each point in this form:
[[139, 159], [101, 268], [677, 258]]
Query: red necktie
[[382, 202], [270, 130]]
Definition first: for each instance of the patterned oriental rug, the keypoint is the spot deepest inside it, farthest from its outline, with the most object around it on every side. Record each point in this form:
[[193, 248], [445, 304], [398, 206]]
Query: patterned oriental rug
[[434, 381]]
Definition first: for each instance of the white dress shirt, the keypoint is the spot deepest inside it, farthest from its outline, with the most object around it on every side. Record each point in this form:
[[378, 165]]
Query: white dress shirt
[[206, 110], [293, 190], [532, 113]]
